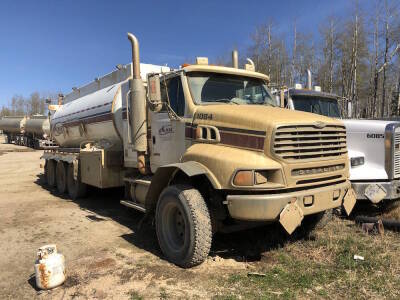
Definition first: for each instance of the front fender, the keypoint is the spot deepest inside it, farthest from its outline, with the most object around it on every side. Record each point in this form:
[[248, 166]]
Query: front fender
[[221, 161], [164, 174]]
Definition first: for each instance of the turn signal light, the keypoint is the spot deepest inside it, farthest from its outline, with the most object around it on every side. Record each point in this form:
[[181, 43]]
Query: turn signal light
[[260, 177], [250, 178]]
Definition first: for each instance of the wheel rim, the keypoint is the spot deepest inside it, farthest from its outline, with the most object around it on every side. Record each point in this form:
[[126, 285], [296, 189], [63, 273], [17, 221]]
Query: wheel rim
[[174, 227]]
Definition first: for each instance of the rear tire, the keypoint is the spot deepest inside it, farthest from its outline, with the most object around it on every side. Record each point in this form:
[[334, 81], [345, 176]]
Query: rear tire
[[183, 226], [61, 177], [51, 172], [76, 188]]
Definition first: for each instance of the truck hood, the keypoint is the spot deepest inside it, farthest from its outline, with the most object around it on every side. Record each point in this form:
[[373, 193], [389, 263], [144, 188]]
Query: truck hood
[[373, 126], [254, 117], [366, 138]]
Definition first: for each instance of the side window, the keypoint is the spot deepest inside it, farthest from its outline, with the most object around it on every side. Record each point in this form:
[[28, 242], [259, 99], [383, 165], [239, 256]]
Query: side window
[[176, 97]]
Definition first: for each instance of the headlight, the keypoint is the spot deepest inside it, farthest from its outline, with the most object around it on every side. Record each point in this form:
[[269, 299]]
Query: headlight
[[357, 161], [244, 178]]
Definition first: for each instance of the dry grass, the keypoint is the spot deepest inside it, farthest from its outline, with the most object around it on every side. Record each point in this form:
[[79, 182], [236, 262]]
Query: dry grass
[[324, 267]]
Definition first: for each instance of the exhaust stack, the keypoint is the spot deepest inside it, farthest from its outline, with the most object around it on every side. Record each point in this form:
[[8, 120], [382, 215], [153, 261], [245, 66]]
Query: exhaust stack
[[235, 59], [309, 80], [138, 134], [60, 99]]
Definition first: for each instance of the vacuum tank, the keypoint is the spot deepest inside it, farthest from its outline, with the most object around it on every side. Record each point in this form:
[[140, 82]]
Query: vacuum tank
[[36, 125], [14, 125], [94, 112]]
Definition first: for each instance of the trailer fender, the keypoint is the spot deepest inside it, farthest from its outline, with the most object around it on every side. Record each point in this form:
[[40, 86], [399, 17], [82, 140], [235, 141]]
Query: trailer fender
[[165, 174]]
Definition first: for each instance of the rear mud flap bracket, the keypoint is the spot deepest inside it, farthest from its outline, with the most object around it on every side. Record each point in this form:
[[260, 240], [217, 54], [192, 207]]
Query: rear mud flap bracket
[[291, 217], [349, 201]]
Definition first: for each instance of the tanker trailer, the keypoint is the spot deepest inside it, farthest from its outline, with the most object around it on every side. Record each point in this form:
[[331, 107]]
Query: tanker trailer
[[13, 127], [200, 149], [37, 132]]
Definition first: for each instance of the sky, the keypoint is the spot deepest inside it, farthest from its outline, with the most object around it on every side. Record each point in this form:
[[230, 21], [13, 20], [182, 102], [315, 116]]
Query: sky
[[51, 46]]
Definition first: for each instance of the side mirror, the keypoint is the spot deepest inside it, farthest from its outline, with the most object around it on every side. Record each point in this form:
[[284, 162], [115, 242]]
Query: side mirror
[[154, 88]]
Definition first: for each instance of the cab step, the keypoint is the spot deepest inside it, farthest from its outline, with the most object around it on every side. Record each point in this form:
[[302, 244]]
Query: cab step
[[141, 181], [133, 205]]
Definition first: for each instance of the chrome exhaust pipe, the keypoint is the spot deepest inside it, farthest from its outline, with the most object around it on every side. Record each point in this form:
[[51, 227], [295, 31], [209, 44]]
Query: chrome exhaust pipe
[[309, 80], [235, 59], [138, 108], [135, 56]]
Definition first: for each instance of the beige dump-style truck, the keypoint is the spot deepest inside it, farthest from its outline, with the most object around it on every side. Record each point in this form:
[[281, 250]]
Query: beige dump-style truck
[[201, 149]]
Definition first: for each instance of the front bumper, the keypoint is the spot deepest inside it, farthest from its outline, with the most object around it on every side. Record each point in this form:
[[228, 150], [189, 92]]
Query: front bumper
[[392, 189], [269, 207]]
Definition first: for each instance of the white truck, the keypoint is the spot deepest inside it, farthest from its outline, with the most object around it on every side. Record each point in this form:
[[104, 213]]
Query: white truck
[[199, 149], [373, 145]]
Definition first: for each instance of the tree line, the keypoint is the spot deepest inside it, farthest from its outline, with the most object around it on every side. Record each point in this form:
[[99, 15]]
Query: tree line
[[355, 57], [25, 106]]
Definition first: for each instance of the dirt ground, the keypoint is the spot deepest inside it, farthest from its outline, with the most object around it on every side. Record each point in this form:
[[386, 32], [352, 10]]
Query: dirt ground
[[110, 256], [107, 256]]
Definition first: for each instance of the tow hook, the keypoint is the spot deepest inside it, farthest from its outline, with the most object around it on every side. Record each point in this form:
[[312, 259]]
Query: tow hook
[[349, 201], [291, 217]]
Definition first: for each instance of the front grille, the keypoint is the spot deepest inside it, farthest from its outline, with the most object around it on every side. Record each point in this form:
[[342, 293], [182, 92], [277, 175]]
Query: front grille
[[396, 155], [300, 142]]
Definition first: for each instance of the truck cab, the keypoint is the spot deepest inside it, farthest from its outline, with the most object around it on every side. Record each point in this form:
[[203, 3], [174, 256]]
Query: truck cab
[[373, 145], [200, 149]]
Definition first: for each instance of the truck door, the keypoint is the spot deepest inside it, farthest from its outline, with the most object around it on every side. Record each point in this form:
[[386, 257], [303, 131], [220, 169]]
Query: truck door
[[168, 126]]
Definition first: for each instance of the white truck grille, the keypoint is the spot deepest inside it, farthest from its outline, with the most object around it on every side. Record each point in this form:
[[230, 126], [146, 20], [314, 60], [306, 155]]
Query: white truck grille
[[396, 155], [301, 142]]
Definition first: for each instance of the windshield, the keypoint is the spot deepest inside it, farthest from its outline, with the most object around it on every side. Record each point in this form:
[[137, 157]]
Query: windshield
[[227, 88], [321, 106]]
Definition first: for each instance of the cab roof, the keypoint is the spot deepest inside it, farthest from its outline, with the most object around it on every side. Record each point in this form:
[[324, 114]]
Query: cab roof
[[311, 93], [225, 70]]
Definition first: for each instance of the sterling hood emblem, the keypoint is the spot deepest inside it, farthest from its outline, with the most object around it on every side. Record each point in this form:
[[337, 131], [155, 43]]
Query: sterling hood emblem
[[319, 124]]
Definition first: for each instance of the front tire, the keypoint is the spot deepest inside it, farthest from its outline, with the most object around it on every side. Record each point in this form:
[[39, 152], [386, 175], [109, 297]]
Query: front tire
[[183, 226], [316, 221]]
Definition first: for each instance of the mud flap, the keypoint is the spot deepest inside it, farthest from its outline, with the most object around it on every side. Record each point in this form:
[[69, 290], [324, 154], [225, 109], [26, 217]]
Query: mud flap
[[349, 201], [375, 192], [291, 217]]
